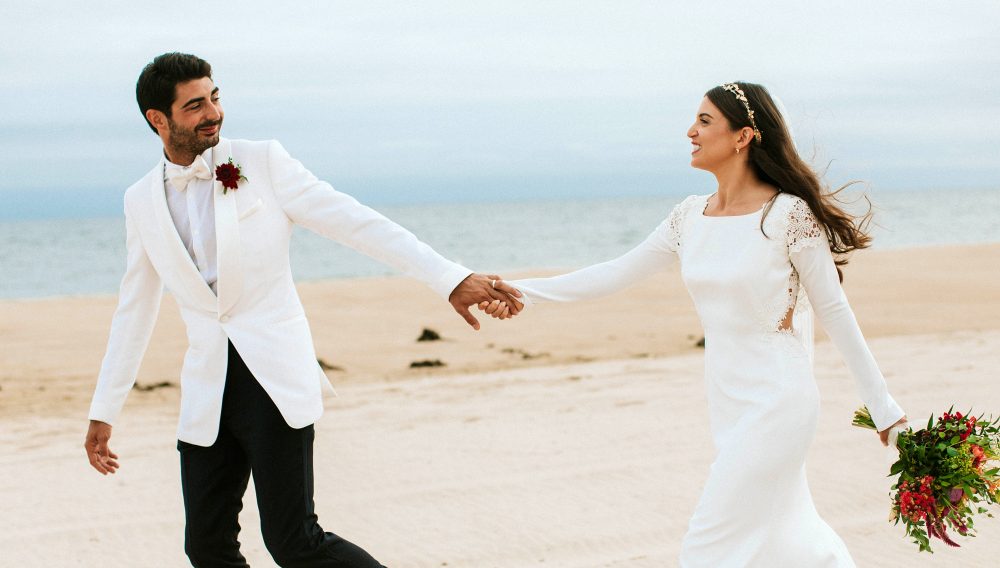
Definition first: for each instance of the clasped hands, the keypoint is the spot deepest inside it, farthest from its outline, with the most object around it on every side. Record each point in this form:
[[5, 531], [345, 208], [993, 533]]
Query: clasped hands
[[490, 293]]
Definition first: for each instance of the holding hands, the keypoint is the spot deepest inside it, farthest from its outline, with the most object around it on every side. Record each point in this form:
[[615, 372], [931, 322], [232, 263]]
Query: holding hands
[[499, 309], [486, 290]]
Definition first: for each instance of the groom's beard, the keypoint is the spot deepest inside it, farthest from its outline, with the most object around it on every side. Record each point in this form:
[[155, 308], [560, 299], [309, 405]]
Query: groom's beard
[[189, 141]]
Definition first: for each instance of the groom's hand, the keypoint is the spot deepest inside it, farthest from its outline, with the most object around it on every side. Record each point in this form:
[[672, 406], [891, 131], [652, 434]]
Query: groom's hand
[[483, 288], [100, 456]]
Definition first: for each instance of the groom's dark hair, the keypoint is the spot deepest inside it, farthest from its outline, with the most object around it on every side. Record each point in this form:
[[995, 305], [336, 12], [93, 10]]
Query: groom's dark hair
[[157, 84]]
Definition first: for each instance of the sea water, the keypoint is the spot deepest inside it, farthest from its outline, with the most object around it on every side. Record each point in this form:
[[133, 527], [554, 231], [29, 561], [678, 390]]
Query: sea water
[[56, 257]]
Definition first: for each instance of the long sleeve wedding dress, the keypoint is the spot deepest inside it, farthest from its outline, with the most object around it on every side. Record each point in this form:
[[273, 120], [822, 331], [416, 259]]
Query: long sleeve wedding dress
[[755, 508]]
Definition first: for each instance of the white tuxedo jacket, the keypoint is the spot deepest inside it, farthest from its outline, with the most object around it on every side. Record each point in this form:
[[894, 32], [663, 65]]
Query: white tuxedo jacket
[[257, 307]]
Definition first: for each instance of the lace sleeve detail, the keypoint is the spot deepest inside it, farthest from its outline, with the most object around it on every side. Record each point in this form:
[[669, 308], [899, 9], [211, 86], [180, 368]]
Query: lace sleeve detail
[[803, 230], [675, 223]]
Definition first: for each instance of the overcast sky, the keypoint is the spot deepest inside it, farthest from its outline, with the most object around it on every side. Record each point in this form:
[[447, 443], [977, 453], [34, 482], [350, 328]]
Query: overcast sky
[[408, 101]]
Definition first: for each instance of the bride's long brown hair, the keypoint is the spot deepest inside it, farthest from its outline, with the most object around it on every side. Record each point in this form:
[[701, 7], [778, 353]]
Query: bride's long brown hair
[[775, 161]]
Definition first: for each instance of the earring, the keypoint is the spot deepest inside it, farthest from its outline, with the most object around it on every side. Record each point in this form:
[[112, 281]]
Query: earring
[[737, 150]]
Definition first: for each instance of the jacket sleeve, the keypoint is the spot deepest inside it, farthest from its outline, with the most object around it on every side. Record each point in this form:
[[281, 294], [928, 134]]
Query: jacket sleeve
[[315, 205], [131, 327], [809, 251], [652, 255]]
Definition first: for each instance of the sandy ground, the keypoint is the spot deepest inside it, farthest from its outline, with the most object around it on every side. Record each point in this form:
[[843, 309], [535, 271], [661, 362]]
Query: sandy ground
[[574, 436]]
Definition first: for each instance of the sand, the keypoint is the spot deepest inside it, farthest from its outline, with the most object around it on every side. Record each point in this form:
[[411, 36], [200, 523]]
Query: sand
[[574, 436]]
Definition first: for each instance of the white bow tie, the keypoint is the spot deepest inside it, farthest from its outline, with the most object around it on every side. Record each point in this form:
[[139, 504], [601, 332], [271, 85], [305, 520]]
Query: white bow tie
[[179, 177]]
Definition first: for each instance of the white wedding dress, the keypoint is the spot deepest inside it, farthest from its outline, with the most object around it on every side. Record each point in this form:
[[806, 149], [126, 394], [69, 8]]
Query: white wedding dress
[[755, 509]]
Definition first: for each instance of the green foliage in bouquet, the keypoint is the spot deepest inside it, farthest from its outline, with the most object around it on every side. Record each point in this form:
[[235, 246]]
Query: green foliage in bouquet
[[946, 474]]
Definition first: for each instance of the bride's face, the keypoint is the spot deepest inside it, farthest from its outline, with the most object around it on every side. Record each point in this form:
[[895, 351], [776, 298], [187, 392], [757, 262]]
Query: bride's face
[[713, 142]]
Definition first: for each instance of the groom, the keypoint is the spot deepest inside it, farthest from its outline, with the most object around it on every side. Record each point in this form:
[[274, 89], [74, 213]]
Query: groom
[[211, 223]]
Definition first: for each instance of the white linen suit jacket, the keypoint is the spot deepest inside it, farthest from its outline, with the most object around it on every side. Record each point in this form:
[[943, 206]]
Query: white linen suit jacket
[[257, 307]]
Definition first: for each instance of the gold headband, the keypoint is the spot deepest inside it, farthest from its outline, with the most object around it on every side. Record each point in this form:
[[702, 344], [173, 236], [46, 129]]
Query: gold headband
[[736, 90]]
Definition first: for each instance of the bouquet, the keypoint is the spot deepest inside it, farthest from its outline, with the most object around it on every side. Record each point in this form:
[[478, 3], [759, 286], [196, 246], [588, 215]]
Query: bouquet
[[946, 474]]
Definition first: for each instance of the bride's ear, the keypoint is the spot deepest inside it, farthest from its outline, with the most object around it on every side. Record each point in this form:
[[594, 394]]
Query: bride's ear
[[743, 140]]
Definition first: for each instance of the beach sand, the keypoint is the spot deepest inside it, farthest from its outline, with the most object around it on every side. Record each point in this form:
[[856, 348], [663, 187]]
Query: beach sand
[[573, 436]]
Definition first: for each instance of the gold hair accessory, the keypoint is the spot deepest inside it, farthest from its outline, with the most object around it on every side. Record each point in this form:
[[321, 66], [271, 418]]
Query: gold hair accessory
[[736, 90]]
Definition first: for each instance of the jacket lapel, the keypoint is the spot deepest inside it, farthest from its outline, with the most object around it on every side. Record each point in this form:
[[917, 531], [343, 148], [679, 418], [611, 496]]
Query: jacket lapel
[[227, 235], [178, 255]]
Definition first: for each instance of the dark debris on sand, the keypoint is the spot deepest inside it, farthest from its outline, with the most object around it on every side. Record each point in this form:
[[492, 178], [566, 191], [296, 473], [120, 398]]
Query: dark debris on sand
[[524, 354], [429, 335], [427, 363], [327, 366], [154, 386]]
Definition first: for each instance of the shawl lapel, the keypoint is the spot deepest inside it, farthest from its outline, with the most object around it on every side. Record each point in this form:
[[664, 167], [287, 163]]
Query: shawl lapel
[[227, 235]]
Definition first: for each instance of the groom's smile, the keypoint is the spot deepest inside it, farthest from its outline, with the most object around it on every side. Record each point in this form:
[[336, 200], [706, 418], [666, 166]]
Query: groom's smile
[[210, 130]]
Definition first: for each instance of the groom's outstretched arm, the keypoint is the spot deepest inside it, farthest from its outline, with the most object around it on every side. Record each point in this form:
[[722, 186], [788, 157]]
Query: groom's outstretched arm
[[315, 205]]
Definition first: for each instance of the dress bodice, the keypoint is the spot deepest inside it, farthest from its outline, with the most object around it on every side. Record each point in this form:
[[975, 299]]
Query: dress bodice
[[738, 270]]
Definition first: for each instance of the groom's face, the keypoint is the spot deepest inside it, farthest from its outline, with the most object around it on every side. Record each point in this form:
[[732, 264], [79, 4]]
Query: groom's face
[[195, 117]]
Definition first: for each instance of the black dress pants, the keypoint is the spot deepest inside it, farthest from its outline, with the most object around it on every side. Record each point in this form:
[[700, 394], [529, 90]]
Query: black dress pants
[[255, 439]]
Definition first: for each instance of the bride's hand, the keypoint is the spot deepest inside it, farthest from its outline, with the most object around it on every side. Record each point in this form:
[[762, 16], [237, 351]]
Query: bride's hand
[[496, 308], [884, 434]]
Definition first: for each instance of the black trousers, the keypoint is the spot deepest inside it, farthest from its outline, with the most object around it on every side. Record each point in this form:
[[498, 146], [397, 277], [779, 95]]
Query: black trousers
[[255, 439]]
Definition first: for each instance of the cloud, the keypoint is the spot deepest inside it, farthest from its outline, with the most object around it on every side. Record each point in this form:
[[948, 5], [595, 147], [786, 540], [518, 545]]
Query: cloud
[[438, 91]]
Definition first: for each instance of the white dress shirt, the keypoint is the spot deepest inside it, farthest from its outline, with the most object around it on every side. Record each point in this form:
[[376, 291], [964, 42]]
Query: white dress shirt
[[193, 213]]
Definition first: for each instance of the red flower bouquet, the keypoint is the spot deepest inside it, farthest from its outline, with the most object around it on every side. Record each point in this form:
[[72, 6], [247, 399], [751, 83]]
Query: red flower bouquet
[[229, 174], [946, 474]]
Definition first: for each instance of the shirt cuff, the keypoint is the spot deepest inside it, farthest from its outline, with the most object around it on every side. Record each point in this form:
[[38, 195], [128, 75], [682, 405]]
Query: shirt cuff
[[889, 414], [104, 411]]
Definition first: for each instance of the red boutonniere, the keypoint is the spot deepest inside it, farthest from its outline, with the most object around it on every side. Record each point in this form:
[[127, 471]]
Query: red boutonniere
[[229, 174]]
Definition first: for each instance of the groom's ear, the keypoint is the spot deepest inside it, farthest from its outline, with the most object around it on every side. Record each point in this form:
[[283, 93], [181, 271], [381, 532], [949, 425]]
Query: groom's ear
[[158, 119]]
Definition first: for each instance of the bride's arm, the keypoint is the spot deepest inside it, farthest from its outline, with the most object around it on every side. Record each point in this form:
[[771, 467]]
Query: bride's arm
[[652, 255], [809, 251]]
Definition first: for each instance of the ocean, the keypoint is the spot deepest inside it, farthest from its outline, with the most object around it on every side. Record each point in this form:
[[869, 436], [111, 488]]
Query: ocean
[[59, 257]]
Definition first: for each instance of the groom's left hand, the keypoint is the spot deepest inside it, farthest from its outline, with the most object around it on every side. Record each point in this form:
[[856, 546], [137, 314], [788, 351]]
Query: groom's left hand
[[483, 288]]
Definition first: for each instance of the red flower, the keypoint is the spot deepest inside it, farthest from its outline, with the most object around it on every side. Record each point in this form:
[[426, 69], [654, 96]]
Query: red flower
[[229, 175], [978, 456]]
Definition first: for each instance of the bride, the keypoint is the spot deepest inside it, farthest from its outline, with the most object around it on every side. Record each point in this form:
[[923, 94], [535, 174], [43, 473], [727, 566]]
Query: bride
[[754, 255]]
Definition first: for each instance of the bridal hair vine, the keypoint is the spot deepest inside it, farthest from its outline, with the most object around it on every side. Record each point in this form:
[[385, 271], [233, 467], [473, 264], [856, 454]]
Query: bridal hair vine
[[740, 96]]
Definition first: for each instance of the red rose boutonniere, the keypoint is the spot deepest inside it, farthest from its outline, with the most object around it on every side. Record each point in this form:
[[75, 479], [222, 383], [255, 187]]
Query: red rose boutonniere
[[229, 174]]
